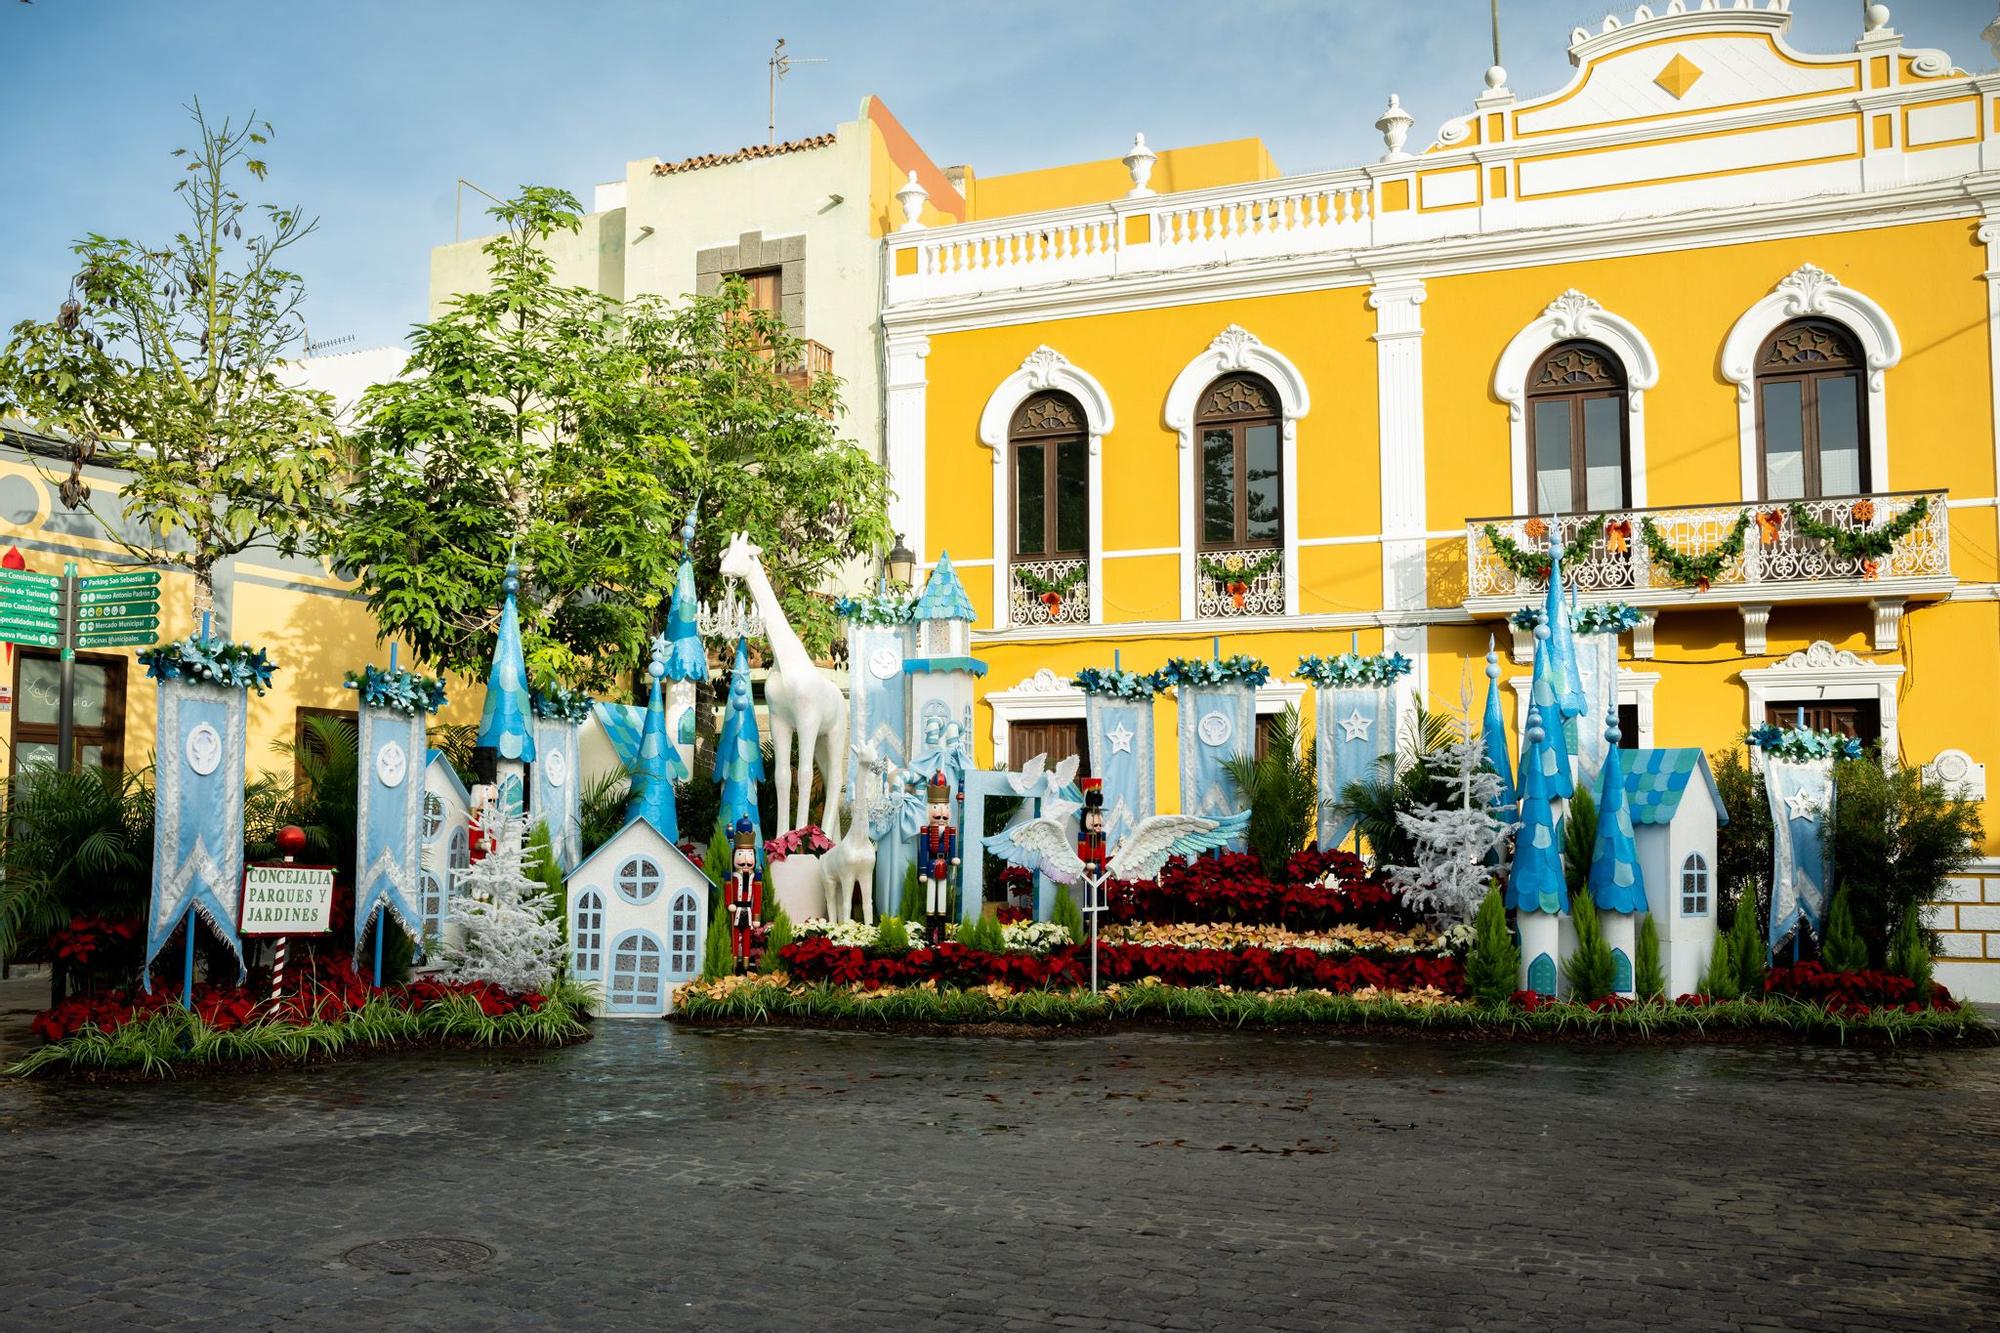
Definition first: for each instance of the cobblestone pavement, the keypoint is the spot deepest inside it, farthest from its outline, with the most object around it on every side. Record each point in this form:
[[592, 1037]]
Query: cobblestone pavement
[[667, 1178]]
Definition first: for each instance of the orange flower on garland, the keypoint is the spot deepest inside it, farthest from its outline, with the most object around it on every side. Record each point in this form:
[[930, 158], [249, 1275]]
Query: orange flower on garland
[[1618, 536], [1769, 523], [1535, 530], [1863, 511], [1869, 567]]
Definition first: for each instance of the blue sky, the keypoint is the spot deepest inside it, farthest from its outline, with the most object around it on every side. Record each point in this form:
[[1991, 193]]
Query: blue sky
[[380, 105]]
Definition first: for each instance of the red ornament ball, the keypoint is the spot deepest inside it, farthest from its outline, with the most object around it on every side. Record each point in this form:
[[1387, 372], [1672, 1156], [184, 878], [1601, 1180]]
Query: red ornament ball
[[291, 840]]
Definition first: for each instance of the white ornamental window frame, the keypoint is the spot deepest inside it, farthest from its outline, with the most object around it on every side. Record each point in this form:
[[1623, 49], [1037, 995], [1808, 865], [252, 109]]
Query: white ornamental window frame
[[1236, 350], [1575, 317], [1810, 292], [1043, 370], [1824, 673]]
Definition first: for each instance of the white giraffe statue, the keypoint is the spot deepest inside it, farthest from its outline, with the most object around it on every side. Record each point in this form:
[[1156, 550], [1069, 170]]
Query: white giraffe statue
[[850, 866], [804, 701]]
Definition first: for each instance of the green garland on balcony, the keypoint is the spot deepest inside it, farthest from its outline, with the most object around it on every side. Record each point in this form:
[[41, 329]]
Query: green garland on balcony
[[1861, 543], [1521, 562], [1247, 569], [1061, 585], [1697, 571]]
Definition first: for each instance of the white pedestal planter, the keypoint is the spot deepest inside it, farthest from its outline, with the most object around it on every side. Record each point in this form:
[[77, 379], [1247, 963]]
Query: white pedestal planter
[[795, 884]]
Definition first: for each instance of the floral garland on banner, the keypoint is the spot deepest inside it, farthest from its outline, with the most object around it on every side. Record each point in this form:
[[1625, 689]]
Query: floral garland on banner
[[881, 609], [1802, 744], [1696, 570], [405, 692], [1120, 684], [1050, 592], [1864, 544], [805, 840], [560, 703], [1214, 671], [1353, 669], [210, 661], [1236, 571]]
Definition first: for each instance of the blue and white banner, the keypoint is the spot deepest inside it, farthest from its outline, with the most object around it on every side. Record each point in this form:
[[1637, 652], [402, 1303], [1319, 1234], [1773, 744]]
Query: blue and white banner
[[877, 703], [1597, 666], [1354, 727], [1217, 723], [893, 821], [198, 812], [1121, 754], [1801, 794], [554, 796], [388, 820]]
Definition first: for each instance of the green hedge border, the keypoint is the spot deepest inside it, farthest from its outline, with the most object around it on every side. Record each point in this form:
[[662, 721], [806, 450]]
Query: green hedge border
[[1783, 1019]]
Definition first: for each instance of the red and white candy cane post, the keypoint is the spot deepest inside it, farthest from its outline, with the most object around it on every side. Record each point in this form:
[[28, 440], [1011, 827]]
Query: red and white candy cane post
[[291, 841]]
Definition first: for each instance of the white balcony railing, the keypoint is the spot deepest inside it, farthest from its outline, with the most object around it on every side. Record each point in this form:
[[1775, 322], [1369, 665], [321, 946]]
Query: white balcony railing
[[1049, 592], [1241, 583], [1608, 555]]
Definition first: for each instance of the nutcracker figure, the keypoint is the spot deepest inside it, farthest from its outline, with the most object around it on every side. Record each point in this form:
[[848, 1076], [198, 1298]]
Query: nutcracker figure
[[1090, 847], [482, 831], [937, 854], [744, 893]]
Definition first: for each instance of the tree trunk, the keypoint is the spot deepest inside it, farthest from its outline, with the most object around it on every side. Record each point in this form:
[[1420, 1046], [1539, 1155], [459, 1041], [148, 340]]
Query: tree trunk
[[204, 594]]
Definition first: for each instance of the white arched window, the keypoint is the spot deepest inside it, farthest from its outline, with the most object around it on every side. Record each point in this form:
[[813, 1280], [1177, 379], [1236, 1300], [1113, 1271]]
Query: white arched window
[[430, 902], [1694, 885], [635, 973], [458, 855], [1573, 436], [639, 880], [1806, 296], [1046, 375], [589, 938], [684, 935], [1235, 362], [433, 815]]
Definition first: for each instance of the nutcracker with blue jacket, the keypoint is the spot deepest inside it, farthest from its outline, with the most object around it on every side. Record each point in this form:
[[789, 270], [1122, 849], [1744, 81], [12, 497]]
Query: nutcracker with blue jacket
[[937, 854], [745, 893]]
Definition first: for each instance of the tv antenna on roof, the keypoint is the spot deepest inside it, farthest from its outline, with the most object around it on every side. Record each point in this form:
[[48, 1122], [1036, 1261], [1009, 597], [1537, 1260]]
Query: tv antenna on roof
[[781, 65]]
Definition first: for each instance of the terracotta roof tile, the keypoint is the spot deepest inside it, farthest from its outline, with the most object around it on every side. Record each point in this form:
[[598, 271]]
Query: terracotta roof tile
[[744, 154]]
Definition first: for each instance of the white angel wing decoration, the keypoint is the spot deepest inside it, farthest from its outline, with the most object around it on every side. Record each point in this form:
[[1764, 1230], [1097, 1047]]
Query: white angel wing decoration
[[1153, 842], [1064, 772], [1041, 846], [1029, 777]]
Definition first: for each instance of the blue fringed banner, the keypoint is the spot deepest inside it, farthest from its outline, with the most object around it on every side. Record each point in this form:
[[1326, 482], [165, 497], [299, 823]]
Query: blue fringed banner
[[1801, 795], [388, 819], [1217, 723], [556, 796], [198, 803], [1121, 753], [1354, 727]]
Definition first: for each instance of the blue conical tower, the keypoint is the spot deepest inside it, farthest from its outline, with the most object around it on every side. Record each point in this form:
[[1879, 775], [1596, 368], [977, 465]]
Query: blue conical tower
[[1545, 708], [653, 779], [1493, 733], [686, 659], [1616, 885], [1536, 889], [739, 754], [503, 724]]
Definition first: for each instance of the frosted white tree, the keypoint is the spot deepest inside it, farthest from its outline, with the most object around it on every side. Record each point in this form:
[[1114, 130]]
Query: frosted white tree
[[1455, 840], [511, 936]]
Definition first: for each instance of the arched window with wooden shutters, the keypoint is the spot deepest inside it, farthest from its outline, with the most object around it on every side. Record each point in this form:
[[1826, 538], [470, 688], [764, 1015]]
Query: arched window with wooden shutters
[[1579, 454], [1240, 434], [1812, 422], [1049, 562]]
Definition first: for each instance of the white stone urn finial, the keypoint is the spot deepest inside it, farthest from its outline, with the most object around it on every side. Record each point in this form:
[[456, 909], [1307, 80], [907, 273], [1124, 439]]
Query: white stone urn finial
[[1139, 161], [912, 197], [1496, 79], [1874, 18], [1394, 123]]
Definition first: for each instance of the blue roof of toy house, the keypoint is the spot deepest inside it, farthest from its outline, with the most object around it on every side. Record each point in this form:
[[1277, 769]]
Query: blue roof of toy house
[[1655, 781], [613, 842], [944, 596]]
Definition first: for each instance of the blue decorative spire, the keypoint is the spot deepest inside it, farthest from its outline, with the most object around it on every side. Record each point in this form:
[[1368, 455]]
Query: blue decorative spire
[[1562, 641], [1535, 880], [739, 753], [652, 779], [1615, 883], [944, 597], [1493, 732], [686, 658], [1544, 706], [503, 725]]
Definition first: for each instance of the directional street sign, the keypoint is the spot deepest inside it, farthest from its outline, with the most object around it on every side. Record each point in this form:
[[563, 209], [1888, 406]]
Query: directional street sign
[[90, 631], [114, 611], [102, 582], [14, 595], [32, 638], [27, 578], [119, 596], [29, 619], [126, 637]]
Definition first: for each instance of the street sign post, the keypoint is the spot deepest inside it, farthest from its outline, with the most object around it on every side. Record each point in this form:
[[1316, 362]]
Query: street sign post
[[64, 612]]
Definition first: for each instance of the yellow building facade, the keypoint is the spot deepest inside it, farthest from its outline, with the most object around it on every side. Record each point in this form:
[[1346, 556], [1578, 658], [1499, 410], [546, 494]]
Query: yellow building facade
[[1713, 284]]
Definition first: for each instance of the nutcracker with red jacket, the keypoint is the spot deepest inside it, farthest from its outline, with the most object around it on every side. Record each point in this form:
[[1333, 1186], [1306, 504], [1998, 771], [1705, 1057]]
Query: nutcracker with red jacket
[[937, 857], [1090, 848], [745, 893]]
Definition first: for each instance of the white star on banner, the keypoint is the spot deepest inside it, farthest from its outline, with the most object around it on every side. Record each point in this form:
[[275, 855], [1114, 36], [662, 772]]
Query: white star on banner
[[1799, 805], [1354, 727], [1120, 737]]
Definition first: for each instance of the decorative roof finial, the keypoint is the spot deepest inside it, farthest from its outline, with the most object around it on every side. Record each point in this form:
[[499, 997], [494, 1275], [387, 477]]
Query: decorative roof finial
[[1876, 17], [912, 197], [1394, 123], [1139, 161]]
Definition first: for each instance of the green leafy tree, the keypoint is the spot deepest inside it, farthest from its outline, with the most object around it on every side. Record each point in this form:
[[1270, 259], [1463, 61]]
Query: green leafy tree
[[1743, 845], [1064, 912], [717, 960], [1282, 791], [1649, 979], [1910, 952], [76, 844], [1842, 949], [1589, 969], [774, 943], [1493, 967], [320, 796], [1719, 981], [1747, 948], [167, 363], [1897, 837], [1579, 840]]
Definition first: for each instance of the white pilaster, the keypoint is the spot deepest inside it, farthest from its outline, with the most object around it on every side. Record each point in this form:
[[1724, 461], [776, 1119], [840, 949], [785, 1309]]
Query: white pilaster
[[1989, 235], [903, 425], [1399, 368]]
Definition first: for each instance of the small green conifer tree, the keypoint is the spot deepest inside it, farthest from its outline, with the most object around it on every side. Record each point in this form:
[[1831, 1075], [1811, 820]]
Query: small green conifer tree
[[1493, 967], [1589, 970], [1649, 980]]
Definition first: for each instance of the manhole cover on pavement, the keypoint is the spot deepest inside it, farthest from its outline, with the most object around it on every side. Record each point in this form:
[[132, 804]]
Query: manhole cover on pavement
[[418, 1254]]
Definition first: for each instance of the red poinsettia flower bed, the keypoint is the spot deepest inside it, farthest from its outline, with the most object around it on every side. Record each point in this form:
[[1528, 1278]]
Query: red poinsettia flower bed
[[1233, 887], [1249, 968], [1853, 992], [96, 942]]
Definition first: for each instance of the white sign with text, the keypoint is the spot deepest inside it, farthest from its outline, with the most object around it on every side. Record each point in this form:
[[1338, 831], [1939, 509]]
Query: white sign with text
[[287, 900]]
